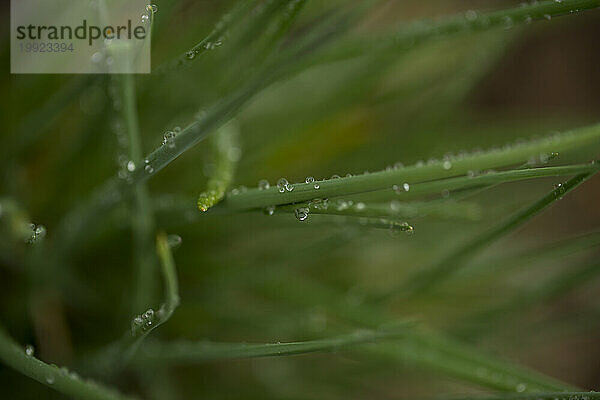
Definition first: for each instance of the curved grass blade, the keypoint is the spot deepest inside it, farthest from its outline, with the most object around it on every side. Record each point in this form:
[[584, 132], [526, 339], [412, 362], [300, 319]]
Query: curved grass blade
[[147, 322], [554, 288], [419, 347], [226, 152], [422, 31], [286, 10], [199, 352], [539, 254], [209, 42], [440, 354], [59, 379], [441, 270], [118, 354]]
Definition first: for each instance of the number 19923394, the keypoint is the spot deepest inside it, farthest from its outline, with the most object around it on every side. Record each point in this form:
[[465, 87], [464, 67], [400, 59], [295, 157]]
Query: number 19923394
[[49, 47]]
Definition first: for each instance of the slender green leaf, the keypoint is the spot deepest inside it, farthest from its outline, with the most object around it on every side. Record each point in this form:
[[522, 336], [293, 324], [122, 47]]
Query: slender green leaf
[[425, 279], [198, 352], [59, 379], [536, 396], [450, 167]]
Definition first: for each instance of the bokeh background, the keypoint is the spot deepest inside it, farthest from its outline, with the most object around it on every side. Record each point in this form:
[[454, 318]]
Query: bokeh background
[[249, 277]]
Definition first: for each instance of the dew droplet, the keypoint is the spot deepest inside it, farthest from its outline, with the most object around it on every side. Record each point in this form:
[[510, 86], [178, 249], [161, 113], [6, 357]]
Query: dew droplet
[[263, 184], [281, 185], [154, 8], [316, 186], [145, 18], [447, 164], [406, 187], [301, 213], [50, 379], [471, 15], [335, 176], [149, 169], [190, 54], [168, 139], [96, 57], [174, 241], [40, 231], [521, 387], [269, 210], [309, 179], [130, 166], [29, 350]]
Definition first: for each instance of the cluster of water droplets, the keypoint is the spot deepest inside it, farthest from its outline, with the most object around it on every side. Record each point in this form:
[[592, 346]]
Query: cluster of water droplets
[[311, 180], [284, 186], [147, 167], [144, 322], [38, 232], [126, 171], [541, 159], [446, 163], [62, 371], [394, 226], [148, 15], [473, 19], [401, 227], [240, 189], [205, 46], [560, 190], [405, 187], [51, 375]]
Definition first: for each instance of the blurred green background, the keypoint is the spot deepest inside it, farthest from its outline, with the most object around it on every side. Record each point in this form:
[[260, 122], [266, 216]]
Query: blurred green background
[[248, 277]]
